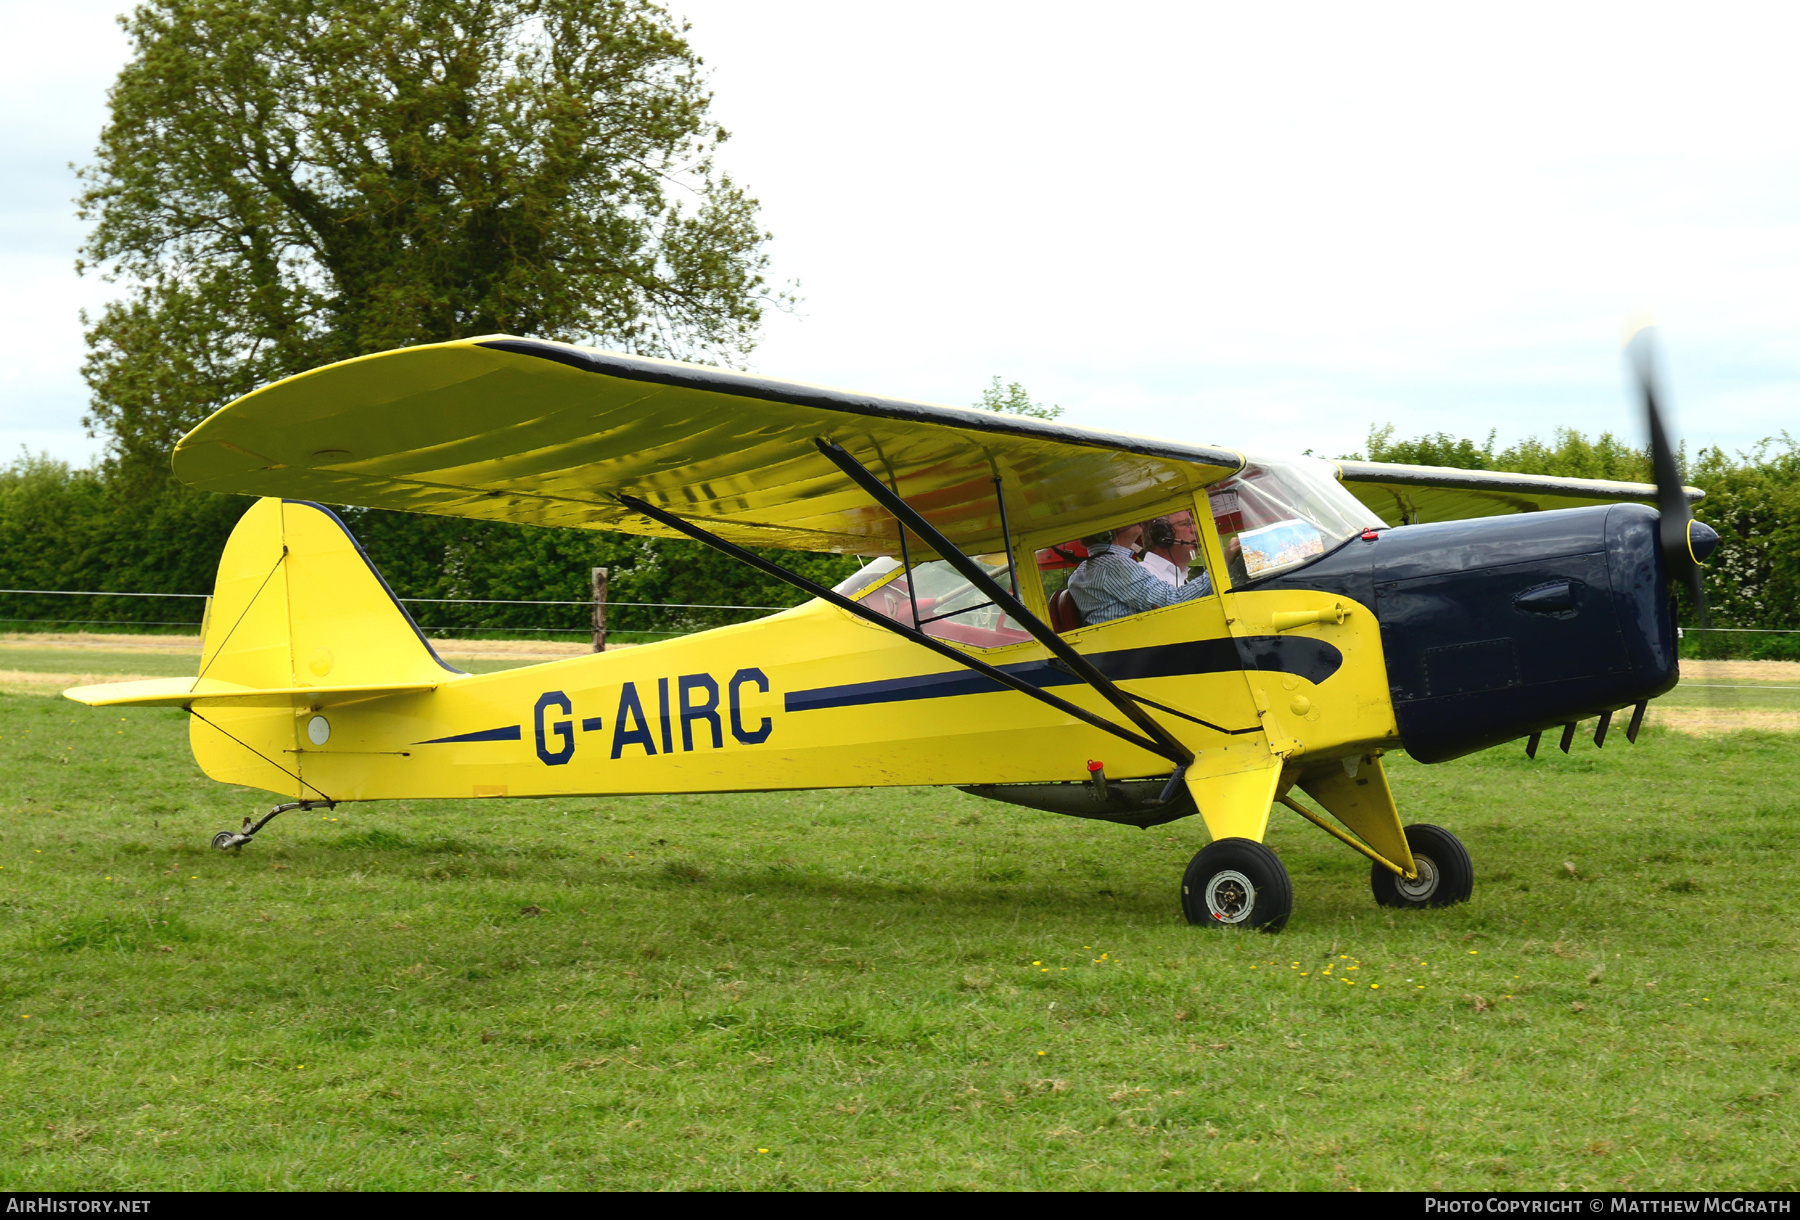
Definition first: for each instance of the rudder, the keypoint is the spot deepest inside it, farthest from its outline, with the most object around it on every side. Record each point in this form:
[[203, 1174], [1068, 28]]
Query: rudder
[[296, 604]]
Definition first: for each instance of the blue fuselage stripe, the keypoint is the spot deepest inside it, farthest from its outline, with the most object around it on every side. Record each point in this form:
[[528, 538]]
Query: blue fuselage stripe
[[1314, 660], [509, 733]]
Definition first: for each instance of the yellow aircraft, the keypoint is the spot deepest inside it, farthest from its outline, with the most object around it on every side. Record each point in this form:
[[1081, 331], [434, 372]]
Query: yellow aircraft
[[1352, 608]]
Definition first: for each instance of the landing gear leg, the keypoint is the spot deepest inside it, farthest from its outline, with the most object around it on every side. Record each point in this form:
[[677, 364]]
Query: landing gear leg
[[225, 840]]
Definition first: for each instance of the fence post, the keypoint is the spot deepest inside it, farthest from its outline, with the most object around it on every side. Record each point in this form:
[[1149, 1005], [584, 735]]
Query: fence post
[[599, 609]]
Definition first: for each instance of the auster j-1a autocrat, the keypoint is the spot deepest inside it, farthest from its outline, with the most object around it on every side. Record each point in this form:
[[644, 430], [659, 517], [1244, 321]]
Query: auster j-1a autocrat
[[1357, 607]]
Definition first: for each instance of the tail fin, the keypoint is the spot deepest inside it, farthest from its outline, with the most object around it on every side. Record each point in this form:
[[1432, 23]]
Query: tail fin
[[299, 617], [299, 620], [297, 604]]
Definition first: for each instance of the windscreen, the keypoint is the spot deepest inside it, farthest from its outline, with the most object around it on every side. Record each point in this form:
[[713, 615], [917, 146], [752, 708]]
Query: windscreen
[[1273, 516]]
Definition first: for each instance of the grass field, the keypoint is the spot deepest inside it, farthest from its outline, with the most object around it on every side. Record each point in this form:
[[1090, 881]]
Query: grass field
[[887, 989]]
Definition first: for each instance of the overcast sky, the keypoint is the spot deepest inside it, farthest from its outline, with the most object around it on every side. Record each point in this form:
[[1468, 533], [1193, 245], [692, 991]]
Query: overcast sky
[[1259, 226]]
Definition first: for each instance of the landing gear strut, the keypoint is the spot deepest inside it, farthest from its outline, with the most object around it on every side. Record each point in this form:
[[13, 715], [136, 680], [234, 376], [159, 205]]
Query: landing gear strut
[[225, 840]]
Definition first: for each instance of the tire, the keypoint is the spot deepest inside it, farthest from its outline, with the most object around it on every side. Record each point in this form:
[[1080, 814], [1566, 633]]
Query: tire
[[1237, 883], [1446, 874]]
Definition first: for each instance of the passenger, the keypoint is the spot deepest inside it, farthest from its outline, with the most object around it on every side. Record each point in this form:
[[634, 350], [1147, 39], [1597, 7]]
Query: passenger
[[1110, 584], [1167, 555]]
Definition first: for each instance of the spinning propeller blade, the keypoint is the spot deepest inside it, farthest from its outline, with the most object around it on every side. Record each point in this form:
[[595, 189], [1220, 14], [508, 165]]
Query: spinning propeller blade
[[1685, 542]]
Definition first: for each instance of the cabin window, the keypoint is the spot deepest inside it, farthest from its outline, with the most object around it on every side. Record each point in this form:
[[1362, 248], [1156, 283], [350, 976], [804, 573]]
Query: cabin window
[[1168, 548], [949, 607], [877, 569], [1274, 516]]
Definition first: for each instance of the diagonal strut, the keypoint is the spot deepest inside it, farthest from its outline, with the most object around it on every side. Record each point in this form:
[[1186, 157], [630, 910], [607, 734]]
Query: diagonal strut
[[918, 637], [971, 571]]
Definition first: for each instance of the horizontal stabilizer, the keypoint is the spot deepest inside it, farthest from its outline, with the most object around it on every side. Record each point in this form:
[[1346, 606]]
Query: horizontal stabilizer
[[211, 692]]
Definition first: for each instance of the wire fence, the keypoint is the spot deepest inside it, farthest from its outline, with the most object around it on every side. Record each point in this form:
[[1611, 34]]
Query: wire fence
[[1740, 644], [587, 618], [684, 618]]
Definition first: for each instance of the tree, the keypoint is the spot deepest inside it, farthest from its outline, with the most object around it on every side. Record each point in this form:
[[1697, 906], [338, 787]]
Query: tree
[[1013, 400], [287, 183], [1569, 453]]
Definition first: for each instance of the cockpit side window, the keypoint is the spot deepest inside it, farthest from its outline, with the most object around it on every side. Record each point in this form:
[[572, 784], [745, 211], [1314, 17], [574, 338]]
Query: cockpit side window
[[1165, 548], [949, 608]]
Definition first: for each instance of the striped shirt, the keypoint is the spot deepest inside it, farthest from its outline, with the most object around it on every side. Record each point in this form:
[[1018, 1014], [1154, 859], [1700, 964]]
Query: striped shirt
[[1110, 584]]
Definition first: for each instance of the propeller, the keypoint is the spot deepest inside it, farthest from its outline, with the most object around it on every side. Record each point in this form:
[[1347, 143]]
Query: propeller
[[1686, 543]]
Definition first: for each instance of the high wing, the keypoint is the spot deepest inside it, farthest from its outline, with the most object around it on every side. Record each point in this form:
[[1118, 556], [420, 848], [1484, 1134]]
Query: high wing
[[1412, 495], [509, 429]]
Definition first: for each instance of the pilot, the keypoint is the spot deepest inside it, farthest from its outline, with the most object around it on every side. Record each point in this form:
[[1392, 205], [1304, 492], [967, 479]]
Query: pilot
[[1166, 554], [1111, 584]]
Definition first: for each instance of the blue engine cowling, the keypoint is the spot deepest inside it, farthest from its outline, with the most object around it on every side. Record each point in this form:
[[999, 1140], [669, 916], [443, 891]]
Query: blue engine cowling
[[1499, 627]]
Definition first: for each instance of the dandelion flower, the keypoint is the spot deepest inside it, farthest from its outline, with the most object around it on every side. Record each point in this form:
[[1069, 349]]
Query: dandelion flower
[[760, 1151], [1042, 1052], [1375, 986]]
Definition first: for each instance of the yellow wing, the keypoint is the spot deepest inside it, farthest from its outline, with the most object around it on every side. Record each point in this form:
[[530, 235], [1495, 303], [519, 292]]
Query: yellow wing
[[548, 434], [1411, 495]]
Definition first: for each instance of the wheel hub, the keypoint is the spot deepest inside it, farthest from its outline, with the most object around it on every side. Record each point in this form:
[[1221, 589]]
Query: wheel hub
[[1230, 896], [1422, 887]]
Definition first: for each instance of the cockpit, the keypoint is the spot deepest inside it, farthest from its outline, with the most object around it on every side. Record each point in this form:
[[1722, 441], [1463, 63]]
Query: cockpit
[[1272, 516]]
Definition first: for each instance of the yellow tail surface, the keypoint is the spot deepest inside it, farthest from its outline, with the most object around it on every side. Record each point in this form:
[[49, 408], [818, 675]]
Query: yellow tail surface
[[297, 605], [299, 620]]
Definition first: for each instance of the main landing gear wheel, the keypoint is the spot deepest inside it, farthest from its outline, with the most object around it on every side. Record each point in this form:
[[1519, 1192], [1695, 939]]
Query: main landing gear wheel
[[1446, 875], [1237, 883]]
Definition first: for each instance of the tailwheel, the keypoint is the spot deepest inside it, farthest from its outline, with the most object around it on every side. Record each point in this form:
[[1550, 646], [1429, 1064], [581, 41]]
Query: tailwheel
[[1446, 874], [1237, 883]]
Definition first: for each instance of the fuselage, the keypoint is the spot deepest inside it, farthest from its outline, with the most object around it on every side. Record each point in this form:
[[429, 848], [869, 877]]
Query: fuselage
[[1455, 637]]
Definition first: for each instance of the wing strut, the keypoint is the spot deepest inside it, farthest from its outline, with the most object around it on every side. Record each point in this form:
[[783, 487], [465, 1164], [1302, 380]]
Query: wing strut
[[971, 571], [1181, 758]]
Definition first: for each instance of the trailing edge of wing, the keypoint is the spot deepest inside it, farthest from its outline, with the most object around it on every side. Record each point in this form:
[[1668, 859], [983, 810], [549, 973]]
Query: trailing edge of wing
[[210, 692], [550, 434], [1415, 494]]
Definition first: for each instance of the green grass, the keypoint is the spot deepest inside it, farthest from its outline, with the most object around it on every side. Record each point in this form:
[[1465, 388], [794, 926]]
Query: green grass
[[1761, 694], [67, 660], [886, 988]]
